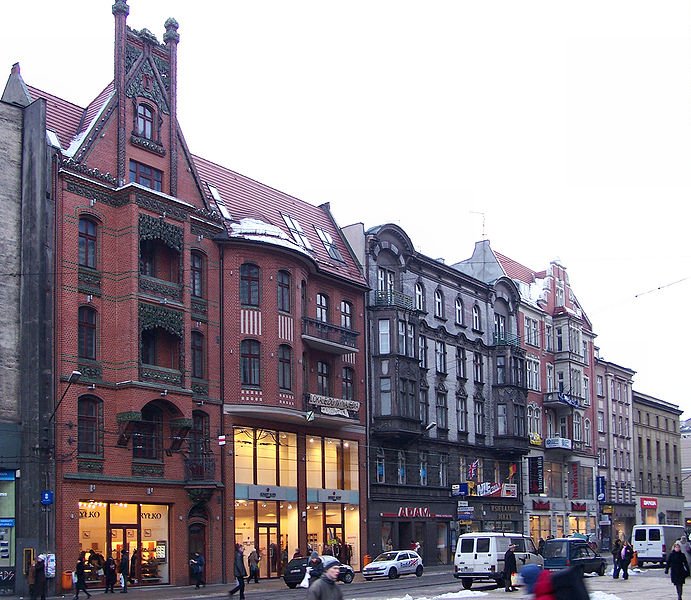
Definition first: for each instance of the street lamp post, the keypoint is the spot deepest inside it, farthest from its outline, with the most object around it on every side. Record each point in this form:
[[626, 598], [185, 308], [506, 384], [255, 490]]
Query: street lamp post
[[73, 378]]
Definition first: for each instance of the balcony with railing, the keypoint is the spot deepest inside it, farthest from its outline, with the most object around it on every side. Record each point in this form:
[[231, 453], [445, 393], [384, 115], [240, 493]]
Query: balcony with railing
[[329, 338], [506, 339], [393, 299], [200, 468]]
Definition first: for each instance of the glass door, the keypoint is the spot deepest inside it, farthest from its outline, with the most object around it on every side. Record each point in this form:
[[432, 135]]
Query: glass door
[[334, 541], [121, 538], [269, 550]]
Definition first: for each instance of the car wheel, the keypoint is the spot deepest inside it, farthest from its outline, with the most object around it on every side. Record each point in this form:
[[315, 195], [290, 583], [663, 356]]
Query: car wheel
[[418, 571], [467, 583], [393, 573], [368, 579], [348, 577], [601, 570], [292, 586]]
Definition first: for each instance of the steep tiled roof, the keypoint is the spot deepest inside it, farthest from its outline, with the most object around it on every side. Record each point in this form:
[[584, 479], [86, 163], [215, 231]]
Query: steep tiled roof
[[66, 119], [515, 270], [245, 198]]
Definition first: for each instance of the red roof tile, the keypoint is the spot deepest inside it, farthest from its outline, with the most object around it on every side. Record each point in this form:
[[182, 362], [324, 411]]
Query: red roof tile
[[515, 270], [246, 198]]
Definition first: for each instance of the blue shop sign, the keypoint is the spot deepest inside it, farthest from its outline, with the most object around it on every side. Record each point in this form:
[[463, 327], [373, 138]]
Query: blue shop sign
[[6, 522], [7, 475], [47, 497]]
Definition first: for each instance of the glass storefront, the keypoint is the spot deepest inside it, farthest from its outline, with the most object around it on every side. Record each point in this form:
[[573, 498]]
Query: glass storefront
[[539, 527], [106, 529], [267, 517]]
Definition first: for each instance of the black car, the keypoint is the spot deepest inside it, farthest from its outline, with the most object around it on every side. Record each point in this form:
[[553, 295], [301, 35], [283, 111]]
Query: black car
[[561, 553], [295, 571]]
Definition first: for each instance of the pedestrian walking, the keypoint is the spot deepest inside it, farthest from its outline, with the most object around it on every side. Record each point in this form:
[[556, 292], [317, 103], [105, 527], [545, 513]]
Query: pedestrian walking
[[197, 563], [510, 568], [239, 571], [316, 567], [31, 579], [253, 562], [110, 573], [616, 558], [679, 567], [626, 556], [685, 548], [541, 546], [40, 583], [297, 554], [325, 587], [80, 584], [134, 563], [124, 570]]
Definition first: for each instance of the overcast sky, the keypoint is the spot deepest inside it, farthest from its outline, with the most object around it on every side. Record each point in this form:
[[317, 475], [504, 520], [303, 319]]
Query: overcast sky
[[566, 124]]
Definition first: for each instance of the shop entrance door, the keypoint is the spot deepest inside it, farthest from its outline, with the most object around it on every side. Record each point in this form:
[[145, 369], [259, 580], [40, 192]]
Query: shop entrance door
[[121, 538], [269, 550], [334, 541]]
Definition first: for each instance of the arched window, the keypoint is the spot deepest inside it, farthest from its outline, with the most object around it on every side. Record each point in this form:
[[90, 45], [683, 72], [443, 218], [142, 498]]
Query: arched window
[[577, 422], [531, 421], [285, 367], [250, 365], [147, 440], [419, 297], [477, 323], [90, 426], [249, 285], [197, 275], [588, 433], [322, 308], [145, 121], [88, 239], [347, 384], [459, 311], [283, 291], [538, 421], [438, 304], [346, 315], [198, 356], [198, 440], [87, 333]]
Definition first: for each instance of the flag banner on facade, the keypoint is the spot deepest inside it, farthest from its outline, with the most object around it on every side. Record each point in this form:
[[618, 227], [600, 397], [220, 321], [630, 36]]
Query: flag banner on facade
[[472, 469]]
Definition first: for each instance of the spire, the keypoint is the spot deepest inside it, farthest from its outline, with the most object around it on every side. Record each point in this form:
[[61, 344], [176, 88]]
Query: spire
[[171, 38], [120, 12], [16, 91]]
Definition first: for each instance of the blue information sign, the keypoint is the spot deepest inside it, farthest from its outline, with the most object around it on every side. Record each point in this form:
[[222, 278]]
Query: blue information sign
[[46, 497]]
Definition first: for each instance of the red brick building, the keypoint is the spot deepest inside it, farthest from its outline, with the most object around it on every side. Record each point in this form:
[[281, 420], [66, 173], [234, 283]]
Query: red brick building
[[196, 303]]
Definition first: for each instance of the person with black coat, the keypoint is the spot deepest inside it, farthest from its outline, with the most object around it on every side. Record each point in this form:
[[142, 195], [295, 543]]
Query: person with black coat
[[239, 571], [325, 588], [124, 569], [40, 583], [679, 566], [80, 585], [110, 573], [626, 557], [616, 558], [510, 568], [316, 565]]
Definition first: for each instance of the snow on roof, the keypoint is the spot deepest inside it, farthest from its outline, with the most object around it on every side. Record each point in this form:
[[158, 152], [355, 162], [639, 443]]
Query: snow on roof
[[260, 231]]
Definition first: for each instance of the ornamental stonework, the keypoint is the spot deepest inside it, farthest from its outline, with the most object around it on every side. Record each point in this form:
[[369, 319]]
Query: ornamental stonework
[[151, 228]]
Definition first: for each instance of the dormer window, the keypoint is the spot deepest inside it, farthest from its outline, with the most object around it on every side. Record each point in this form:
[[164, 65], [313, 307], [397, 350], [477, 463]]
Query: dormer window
[[145, 122]]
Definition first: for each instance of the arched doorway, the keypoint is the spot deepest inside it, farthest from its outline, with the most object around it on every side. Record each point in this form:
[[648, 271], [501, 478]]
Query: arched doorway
[[196, 534]]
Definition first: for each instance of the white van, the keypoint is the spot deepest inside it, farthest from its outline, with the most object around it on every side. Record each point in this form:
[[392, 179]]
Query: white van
[[480, 556], [653, 543]]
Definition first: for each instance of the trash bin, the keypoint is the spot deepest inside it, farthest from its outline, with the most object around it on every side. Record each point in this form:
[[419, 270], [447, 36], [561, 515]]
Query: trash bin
[[367, 559], [66, 581]]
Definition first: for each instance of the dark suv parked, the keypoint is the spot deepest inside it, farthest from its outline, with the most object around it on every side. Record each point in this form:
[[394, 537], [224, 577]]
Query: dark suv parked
[[561, 553], [295, 572]]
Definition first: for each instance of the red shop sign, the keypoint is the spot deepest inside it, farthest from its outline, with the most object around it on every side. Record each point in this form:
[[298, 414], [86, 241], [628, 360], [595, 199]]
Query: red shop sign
[[649, 503]]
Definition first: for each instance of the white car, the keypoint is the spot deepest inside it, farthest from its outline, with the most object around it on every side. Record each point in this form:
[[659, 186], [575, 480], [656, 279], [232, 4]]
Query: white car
[[393, 564]]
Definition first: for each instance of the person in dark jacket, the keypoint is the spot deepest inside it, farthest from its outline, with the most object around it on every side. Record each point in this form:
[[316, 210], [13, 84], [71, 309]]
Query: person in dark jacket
[[616, 558], [317, 567], [679, 566], [239, 571], [124, 569], [80, 585], [40, 581], [625, 560], [110, 573], [197, 563], [510, 568], [134, 563], [541, 546], [325, 588]]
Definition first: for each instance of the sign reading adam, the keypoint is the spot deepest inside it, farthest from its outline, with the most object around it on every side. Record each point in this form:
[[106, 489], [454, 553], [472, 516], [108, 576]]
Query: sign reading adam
[[335, 406]]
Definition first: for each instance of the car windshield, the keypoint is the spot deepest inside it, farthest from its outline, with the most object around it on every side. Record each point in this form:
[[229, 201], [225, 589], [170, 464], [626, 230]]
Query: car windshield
[[386, 556], [554, 550]]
